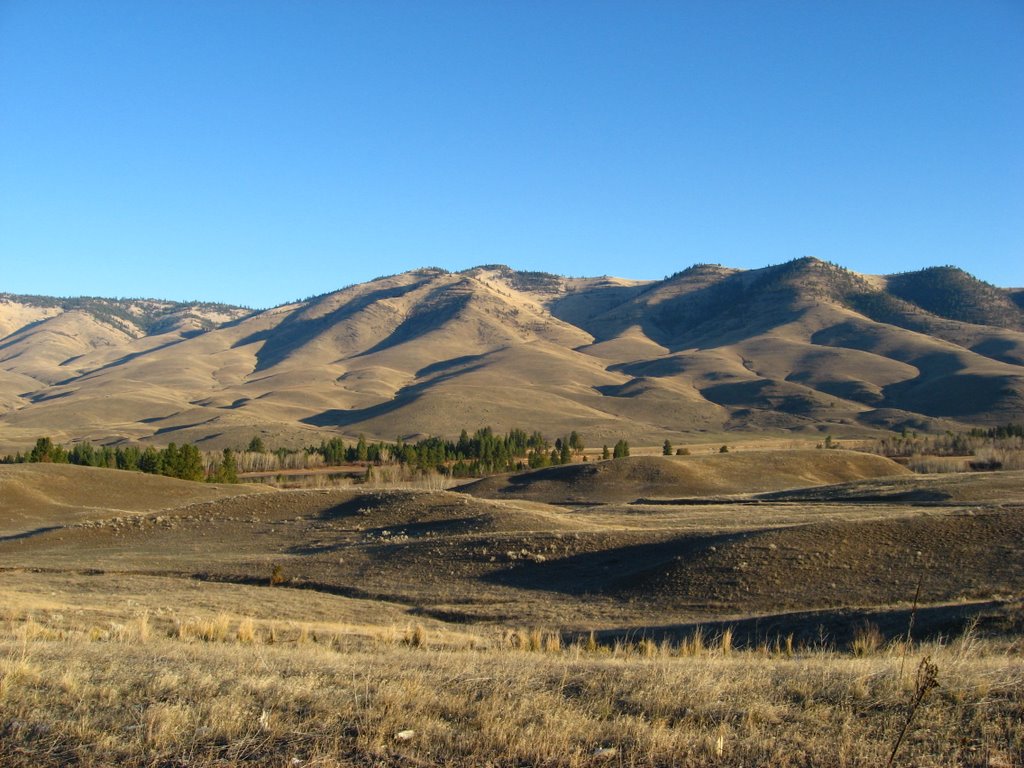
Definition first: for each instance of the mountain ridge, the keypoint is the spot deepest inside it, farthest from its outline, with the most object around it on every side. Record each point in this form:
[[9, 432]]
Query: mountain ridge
[[804, 348]]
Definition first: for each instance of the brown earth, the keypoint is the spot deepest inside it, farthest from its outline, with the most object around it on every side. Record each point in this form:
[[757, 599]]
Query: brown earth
[[614, 567]]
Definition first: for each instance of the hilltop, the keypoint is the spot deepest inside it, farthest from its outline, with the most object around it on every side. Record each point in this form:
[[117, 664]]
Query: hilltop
[[802, 348]]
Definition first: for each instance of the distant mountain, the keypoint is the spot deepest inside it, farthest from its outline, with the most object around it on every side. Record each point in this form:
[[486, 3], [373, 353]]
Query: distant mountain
[[804, 347]]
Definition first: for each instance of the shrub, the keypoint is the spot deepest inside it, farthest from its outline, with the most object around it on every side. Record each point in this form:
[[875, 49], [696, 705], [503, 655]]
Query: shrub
[[277, 576], [867, 639]]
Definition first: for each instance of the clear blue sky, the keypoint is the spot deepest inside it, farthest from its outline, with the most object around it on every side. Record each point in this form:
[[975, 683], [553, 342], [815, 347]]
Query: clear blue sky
[[255, 152]]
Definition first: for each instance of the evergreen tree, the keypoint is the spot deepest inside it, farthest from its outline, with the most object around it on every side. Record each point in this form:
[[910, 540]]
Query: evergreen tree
[[621, 450], [333, 451], [170, 461], [128, 457], [106, 457], [47, 451], [151, 461], [191, 463], [464, 447], [564, 456], [83, 454], [537, 459], [227, 472], [666, 449]]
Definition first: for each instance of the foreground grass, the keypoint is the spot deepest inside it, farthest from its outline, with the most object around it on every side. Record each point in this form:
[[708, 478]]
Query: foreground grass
[[227, 691]]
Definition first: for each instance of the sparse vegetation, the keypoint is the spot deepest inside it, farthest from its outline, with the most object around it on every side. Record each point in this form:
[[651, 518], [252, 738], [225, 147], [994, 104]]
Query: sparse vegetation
[[950, 292], [133, 315]]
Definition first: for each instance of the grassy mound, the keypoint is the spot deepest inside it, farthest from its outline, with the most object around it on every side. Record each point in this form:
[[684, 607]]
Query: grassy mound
[[631, 478], [44, 495]]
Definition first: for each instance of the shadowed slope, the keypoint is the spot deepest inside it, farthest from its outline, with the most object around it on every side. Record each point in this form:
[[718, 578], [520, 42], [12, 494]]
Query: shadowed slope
[[818, 565]]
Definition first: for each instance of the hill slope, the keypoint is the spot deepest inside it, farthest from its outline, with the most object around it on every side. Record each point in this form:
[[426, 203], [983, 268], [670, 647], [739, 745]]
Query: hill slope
[[803, 347], [35, 496], [634, 477]]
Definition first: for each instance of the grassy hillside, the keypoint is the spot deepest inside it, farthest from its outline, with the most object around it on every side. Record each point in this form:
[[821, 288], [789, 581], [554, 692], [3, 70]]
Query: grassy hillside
[[636, 477], [802, 348]]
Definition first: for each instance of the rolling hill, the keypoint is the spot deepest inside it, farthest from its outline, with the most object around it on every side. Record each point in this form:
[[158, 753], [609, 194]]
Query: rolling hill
[[801, 348]]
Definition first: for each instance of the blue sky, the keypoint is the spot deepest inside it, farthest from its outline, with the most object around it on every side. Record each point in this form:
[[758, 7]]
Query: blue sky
[[256, 152]]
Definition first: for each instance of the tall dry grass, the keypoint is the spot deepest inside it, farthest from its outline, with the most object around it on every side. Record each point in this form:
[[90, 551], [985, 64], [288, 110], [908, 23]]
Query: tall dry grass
[[229, 691]]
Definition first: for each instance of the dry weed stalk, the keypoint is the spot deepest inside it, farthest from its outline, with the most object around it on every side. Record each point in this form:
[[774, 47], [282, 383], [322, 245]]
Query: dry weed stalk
[[927, 679], [910, 623], [725, 643]]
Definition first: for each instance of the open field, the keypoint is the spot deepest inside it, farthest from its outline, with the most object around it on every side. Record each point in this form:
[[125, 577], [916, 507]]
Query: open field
[[527, 628]]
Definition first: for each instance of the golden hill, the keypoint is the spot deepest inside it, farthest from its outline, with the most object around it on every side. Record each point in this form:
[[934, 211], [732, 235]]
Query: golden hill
[[800, 348]]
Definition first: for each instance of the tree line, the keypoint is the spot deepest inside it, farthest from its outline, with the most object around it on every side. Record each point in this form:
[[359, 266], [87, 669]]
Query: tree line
[[185, 462], [482, 453]]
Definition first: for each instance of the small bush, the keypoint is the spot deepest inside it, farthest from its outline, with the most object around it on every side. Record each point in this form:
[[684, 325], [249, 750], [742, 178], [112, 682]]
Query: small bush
[[417, 636], [246, 632], [693, 645], [867, 639]]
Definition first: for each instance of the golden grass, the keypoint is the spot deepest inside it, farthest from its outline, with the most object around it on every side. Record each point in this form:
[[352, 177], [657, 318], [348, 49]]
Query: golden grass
[[226, 690]]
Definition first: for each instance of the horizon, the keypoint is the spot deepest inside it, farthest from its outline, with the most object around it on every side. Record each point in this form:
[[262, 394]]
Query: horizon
[[254, 153]]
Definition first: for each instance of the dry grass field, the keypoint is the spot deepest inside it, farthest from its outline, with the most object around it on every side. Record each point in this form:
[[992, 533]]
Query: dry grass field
[[228, 690], [726, 611]]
